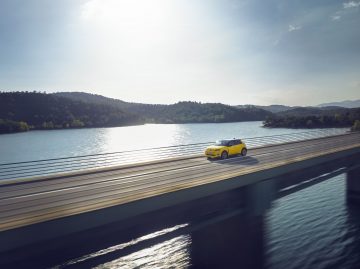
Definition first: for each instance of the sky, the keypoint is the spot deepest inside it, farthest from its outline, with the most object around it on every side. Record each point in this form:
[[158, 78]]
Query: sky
[[290, 52]]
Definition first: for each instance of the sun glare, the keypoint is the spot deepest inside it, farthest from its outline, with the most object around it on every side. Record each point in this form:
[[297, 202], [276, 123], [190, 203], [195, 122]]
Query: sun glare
[[128, 13]]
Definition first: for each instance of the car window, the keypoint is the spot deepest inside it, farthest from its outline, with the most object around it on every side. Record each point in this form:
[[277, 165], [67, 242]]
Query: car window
[[221, 143]]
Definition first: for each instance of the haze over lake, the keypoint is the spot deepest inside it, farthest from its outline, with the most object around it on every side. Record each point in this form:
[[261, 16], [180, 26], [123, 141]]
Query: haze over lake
[[36, 145]]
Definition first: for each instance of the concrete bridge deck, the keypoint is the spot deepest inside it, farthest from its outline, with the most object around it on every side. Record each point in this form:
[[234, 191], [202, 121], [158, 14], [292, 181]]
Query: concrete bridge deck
[[137, 189]]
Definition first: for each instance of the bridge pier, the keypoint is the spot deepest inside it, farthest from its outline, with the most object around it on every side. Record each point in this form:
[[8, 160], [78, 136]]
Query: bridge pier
[[259, 197], [237, 242], [353, 185]]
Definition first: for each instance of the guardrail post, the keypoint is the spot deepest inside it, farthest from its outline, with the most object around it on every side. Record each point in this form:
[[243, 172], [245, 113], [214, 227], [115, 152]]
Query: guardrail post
[[353, 185]]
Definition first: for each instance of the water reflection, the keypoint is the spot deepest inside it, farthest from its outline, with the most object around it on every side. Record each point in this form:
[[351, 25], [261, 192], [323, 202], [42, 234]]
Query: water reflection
[[117, 250], [37, 145], [232, 242], [172, 253], [144, 136], [312, 228], [235, 242]]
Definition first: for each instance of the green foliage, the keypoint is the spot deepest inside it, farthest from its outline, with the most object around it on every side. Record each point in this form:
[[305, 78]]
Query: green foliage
[[356, 126], [182, 112], [46, 111], [47, 125], [77, 124], [23, 110], [9, 126], [335, 118]]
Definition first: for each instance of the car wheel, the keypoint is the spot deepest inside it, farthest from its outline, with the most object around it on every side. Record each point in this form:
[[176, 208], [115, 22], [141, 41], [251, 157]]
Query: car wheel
[[243, 152], [224, 155]]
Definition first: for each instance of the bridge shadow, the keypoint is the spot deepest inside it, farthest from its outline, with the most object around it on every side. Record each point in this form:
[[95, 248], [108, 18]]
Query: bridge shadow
[[237, 242], [353, 234], [237, 160]]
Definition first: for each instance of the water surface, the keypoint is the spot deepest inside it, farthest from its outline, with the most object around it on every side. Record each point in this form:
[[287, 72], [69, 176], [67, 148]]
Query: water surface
[[36, 145], [312, 228]]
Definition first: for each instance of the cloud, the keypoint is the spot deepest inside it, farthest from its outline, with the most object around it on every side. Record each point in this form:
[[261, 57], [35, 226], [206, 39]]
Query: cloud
[[345, 10], [351, 4], [294, 27]]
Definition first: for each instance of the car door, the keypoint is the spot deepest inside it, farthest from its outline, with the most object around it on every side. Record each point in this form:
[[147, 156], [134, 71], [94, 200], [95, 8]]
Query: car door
[[237, 146], [241, 146], [232, 147]]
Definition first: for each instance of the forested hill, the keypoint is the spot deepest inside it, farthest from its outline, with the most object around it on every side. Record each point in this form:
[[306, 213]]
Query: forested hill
[[315, 118], [20, 111], [182, 112], [313, 111], [193, 112], [347, 104]]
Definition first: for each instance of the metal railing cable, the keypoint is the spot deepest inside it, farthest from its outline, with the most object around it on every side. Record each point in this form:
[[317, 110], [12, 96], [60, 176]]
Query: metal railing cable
[[77, 163], [273, 152], [29, 208], [93, 160], [158, 180], [268, 154], [258, 157]]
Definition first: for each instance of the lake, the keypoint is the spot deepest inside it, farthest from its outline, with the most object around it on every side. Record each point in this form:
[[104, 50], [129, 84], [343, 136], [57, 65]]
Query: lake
[[36, 145], [312, 228]]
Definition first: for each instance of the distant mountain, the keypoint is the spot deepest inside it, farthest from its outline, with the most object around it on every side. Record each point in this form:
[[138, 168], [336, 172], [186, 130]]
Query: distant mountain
[[312, 111], [325, 106], [20, 111], [295, 110], [181, 112], [93, 98], [347, 104], [271, 108], [276, 108], [311, 117]]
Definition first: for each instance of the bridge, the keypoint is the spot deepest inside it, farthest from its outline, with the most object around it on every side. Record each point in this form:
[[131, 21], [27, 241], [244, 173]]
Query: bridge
[[44, 200]]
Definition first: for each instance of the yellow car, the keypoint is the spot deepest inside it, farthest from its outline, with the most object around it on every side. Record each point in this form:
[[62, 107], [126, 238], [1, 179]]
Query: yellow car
[[225, 148]]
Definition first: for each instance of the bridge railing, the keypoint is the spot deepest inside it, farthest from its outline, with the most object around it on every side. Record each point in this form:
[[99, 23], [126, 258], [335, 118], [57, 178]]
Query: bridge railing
[[253, 142], [35, 168]]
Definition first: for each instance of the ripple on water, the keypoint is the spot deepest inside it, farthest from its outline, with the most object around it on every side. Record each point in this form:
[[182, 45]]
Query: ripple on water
[[312, 229], [172, 253]]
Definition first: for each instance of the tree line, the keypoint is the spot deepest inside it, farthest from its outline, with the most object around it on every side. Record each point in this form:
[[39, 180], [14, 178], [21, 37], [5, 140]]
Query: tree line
[[181, 112], [329, 119], [21, 111]]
